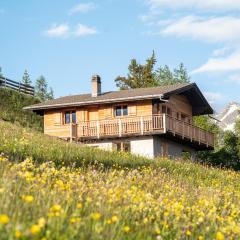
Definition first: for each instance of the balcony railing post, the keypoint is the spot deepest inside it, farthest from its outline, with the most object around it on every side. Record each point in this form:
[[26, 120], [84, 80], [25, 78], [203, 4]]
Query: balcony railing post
[[120, 127], [142, 126], [98, 129], [71, 132], [164, 123]]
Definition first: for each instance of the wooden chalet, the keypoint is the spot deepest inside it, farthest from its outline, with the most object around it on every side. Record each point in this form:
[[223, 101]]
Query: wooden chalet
[[148, 121]]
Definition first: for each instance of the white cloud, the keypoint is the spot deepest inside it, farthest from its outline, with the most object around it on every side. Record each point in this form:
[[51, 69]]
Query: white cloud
[[213, 5], [234, 79], [82, 8], [60, 30], [223, 64], [221, 51], [213, 97], [215, 29], [83, 30], [64, 31]]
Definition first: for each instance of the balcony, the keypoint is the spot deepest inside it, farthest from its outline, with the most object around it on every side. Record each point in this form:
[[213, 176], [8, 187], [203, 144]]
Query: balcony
[[135, 126]]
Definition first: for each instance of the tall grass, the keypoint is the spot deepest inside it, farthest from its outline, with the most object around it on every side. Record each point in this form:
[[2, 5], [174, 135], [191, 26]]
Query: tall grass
[[50, 189]]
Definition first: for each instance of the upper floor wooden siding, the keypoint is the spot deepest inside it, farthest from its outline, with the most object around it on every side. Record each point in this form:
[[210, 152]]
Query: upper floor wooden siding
[[176, 104]]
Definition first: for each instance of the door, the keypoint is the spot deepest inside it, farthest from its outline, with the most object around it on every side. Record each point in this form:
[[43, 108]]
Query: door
[[93, 114]]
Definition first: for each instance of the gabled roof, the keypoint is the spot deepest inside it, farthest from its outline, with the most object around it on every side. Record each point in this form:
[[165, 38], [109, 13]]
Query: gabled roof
[[126, 96]]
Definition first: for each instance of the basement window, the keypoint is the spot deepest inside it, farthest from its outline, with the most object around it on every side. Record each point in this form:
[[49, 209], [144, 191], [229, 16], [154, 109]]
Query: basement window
[[121, 110], [70, 117], [122, 146]]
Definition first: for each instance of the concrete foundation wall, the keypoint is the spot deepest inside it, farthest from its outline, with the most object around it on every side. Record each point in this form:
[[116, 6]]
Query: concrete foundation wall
[[143, 147], [175, 149], [102, 145], [150, 147]]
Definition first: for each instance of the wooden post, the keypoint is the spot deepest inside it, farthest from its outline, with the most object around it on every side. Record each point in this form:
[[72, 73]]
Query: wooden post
[[120, 127], [98, 129], [142, 126], [183, 130], [164, 123], [71, 132]]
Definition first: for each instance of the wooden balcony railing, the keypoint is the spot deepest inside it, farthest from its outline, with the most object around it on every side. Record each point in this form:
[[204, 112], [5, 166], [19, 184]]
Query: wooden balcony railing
[[122, 127]]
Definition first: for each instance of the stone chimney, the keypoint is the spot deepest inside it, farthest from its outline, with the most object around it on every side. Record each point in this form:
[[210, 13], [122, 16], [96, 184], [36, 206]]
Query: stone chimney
[[96, 85]]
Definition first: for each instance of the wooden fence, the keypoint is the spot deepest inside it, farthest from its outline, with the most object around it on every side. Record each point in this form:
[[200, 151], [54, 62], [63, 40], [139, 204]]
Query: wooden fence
[[17, 86]]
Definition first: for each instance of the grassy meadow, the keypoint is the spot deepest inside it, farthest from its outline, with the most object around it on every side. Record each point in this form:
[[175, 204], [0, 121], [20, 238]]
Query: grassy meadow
[[50, 189]]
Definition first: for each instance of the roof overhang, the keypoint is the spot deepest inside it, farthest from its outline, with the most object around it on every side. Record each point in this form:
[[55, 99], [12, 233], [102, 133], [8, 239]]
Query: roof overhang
[[200, 105], [93, 102]]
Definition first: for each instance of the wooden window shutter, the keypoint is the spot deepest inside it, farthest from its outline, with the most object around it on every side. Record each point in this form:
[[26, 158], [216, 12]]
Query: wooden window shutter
[[58, 118], [132, 110], [108, 112]]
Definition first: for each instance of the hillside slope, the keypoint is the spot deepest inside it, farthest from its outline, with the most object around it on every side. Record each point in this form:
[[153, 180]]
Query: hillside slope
[[50, 189], [11, 109]]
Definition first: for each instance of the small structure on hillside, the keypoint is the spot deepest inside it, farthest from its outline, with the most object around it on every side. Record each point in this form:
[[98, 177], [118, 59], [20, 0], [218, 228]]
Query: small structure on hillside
[[17, 86]]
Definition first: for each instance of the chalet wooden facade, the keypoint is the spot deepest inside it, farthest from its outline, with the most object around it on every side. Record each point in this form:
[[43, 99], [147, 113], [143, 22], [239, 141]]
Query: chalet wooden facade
[[150, 121]]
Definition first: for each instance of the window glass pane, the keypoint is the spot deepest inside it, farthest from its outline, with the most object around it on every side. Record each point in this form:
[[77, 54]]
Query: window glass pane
[[118, 111], [125, 110], [67, 117], [74, 120], [126, 147], [117, 147]]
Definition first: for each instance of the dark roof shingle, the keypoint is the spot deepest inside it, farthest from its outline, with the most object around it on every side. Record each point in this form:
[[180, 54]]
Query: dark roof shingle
[[114, 96]]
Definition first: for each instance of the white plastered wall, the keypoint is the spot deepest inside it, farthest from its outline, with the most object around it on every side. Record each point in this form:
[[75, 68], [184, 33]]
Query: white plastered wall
[[174, 149], [143, 147], [102, 145]]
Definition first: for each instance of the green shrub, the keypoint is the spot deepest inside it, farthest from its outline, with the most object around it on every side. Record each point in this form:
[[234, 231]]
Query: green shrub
[[11, 109]]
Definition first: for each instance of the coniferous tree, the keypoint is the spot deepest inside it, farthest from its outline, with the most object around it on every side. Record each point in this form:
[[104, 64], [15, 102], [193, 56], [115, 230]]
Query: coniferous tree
[[26, 78], [41, 89], [144, 75], [50, 94], [180, 74], [139, 76]]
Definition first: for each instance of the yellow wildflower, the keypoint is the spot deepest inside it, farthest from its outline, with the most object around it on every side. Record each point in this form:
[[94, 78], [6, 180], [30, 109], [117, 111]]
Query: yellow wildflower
[[219, 236], [96, 216], [157, 231], [18, 234], [28, 198], [35, 229], [145, 221], [114, 219], [2, 190], [126, 229], [3, 159], [188, 233], [79, 205], [56, 208], [75, 220], [4, 219], [41, 222]]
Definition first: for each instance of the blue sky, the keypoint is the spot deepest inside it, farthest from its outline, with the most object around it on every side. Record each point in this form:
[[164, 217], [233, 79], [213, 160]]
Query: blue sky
[[69, 40]]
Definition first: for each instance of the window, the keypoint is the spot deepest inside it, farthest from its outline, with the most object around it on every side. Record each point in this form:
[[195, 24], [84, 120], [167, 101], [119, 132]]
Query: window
[[122, 146], [121, 111], [74, 119], [67, 118], [70, 117]]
